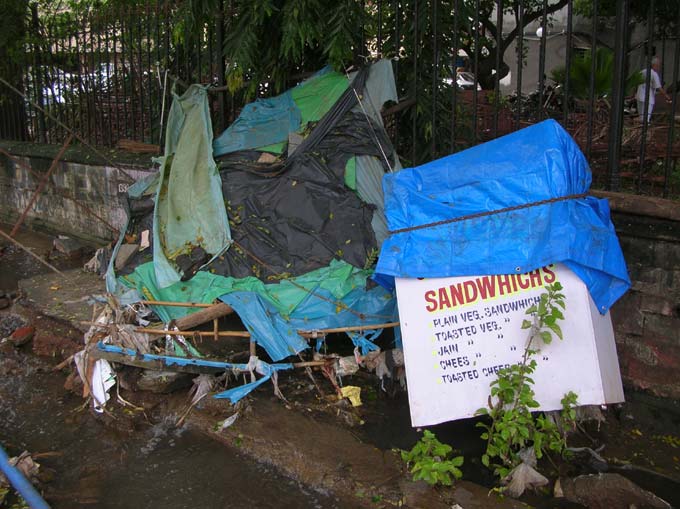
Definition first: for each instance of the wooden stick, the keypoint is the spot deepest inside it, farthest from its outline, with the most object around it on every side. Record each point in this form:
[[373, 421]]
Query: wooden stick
[[246, 334], [41, 185], [388, 325], [220, 306], [253, 349], [175, 304], [159, 365], [216, 331], [205, 315], [222, 334], [14, 241]]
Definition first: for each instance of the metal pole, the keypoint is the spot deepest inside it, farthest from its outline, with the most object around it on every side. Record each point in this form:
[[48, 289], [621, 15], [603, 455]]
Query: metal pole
[[619, 82], [647, 102], [591, 85], [541, 60], [454, 74], [567, 77], [435, 79], [20, 483], [671, 128], [497, 87], [415, 85], [520, 60]]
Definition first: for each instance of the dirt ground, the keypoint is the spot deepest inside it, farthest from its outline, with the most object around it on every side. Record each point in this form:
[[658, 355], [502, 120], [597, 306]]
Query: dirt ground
[[330, 445], [316, 439]]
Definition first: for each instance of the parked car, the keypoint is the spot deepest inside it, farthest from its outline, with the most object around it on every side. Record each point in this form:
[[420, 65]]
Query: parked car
[[464, 81]]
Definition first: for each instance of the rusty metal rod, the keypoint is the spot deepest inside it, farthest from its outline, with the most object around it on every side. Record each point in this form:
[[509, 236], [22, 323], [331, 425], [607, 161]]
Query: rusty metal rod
[[69, 130], [175, 304], [14, 241], [41, 185], [75, 201]]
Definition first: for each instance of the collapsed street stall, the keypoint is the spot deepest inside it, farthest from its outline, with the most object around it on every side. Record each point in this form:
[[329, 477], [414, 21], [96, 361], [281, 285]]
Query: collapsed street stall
[[283, 227]]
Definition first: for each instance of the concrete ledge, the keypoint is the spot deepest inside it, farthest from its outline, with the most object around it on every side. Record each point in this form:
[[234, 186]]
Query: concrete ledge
[[641, 205], [76, 154]]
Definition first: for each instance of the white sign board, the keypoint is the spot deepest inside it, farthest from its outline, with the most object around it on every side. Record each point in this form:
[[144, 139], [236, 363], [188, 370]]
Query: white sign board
[[458, 332]]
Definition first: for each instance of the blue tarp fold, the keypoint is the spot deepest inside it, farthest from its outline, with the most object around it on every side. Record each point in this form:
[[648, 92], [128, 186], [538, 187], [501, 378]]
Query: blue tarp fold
[[537, 163]]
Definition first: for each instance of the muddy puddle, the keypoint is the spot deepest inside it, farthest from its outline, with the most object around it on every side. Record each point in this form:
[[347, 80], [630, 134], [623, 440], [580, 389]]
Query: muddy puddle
[[88, 464], [16, 264]]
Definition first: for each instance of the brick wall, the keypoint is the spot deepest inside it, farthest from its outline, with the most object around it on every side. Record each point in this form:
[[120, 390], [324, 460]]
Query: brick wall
[[647, 319]]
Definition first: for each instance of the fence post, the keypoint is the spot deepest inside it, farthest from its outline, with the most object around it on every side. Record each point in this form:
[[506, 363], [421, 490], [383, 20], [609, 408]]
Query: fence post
[[221, 68], [618, 91], [37, 73]]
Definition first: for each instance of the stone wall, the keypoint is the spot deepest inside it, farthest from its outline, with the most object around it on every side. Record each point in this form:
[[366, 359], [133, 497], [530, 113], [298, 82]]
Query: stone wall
[[79, 181], [647, 319]]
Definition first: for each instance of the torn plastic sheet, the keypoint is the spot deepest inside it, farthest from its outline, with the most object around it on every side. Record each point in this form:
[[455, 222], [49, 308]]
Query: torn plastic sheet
[[102, 379], [234, 395], [333, 296], [260, 123], [268, 371], [540, 162], [364, 340], [189, 209], [277, 334], [266, 122]]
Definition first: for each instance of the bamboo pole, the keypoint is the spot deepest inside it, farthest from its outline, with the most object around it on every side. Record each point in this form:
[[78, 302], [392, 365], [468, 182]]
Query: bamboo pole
[[204, 315], [14, 241], [175, 304], [355, 328], [222, 334], [161, 365], [246, 334]]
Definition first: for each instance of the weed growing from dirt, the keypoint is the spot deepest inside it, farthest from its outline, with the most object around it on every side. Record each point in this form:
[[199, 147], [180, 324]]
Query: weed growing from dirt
[[430, 461]]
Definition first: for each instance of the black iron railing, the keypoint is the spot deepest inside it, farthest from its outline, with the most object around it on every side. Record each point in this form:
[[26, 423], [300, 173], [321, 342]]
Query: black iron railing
[[473, 70]]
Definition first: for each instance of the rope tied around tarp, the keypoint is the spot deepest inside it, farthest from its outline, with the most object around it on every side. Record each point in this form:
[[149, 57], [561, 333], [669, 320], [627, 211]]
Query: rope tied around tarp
[[487, 213]]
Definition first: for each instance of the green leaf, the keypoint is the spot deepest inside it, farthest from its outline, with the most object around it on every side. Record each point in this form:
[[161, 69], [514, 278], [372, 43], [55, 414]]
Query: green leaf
[[556, 329], [485, 460], [457, 461], [526, 324], [546, 337]]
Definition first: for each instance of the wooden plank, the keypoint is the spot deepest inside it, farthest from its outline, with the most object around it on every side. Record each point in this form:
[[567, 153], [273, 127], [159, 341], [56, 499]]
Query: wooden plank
[[155, 364], [205, 315], [641, 205]]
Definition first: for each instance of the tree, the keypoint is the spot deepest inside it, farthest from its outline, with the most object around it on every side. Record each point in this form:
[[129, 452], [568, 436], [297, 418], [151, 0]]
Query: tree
[[580, 74], [488, 47], [665, 13], [271, 40]]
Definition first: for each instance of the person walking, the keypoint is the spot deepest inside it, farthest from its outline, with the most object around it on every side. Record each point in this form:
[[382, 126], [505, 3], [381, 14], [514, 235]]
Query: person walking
[[654, 86]]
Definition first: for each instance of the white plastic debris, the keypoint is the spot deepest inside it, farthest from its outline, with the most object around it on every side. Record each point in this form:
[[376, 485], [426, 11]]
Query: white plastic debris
[[102, 379], [524, 476], [229, 421]]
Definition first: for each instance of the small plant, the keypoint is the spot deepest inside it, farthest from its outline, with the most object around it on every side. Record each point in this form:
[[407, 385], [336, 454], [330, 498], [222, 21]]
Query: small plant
[[429, 461], [513, 426]]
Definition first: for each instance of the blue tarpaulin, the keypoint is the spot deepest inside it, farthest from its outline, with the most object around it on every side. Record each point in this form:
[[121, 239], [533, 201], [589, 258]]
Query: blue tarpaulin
[[260, 123], [318, 310], [537, 163]]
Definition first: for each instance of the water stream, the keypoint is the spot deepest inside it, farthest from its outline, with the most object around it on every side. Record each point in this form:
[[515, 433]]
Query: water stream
[[93, 465]]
